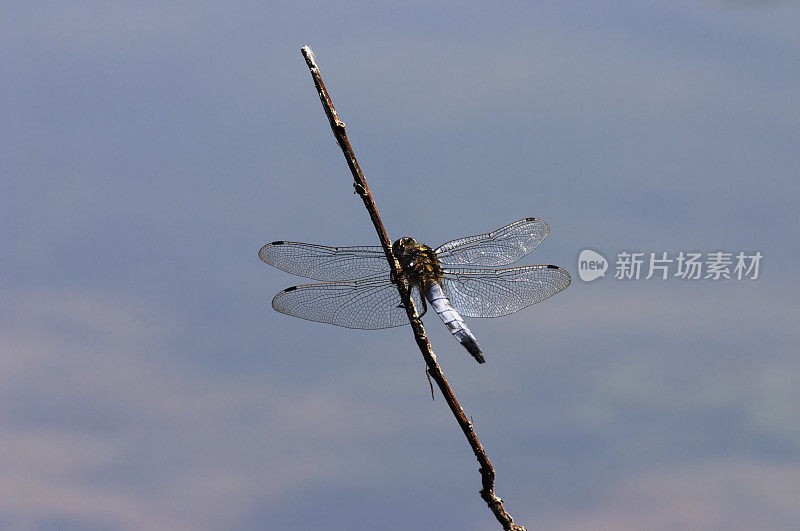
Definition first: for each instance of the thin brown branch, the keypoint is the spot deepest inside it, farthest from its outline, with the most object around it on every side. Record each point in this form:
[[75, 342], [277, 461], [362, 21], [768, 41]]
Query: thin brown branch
[[360, 184]]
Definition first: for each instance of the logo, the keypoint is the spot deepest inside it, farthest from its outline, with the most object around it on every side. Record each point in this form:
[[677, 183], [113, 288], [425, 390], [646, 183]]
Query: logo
[[591, 265], [663, 265]]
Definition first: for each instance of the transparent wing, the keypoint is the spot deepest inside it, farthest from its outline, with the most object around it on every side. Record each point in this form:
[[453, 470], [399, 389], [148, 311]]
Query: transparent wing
[[496, 292], [320, 262], [369, 303], [503, 246]]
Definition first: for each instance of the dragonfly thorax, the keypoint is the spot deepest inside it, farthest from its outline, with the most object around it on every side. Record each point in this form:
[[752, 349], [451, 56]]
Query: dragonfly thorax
[[419, 262]]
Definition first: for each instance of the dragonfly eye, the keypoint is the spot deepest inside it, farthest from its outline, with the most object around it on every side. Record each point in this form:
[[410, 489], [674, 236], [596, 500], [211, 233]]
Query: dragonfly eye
[[397, 247]]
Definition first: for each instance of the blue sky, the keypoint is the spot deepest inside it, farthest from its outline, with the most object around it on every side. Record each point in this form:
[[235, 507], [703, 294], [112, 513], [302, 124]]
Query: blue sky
[[150, 149]]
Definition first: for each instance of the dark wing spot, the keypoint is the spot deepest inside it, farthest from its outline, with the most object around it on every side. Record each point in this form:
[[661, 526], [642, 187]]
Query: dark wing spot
[[553, 267], [277, 243], [291, 289]]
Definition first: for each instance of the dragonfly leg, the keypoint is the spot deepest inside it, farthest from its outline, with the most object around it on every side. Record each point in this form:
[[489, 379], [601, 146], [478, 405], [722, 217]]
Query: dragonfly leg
[[424, 307]]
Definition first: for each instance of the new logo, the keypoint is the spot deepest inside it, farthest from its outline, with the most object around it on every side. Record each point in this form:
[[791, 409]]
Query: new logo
[[591, 265]]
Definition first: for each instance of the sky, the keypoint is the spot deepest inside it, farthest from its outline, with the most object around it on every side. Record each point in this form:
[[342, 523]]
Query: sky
[[150, 149]]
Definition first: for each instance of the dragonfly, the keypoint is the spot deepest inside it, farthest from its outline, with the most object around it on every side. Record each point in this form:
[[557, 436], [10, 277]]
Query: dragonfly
[[358, 289]]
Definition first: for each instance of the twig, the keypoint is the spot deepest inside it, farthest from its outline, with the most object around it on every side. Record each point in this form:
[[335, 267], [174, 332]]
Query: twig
[[361, 188]]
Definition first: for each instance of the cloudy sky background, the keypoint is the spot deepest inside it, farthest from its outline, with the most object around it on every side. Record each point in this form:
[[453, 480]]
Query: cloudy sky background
[[150, 149]]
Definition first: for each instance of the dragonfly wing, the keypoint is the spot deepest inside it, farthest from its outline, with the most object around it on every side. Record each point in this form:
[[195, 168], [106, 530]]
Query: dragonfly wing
[[320, 262], [504, 246], [496, 292], [369, 303]]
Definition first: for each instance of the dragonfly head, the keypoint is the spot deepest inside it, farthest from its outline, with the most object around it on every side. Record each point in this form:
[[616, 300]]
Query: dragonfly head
[[402, 245], [401, 249]]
